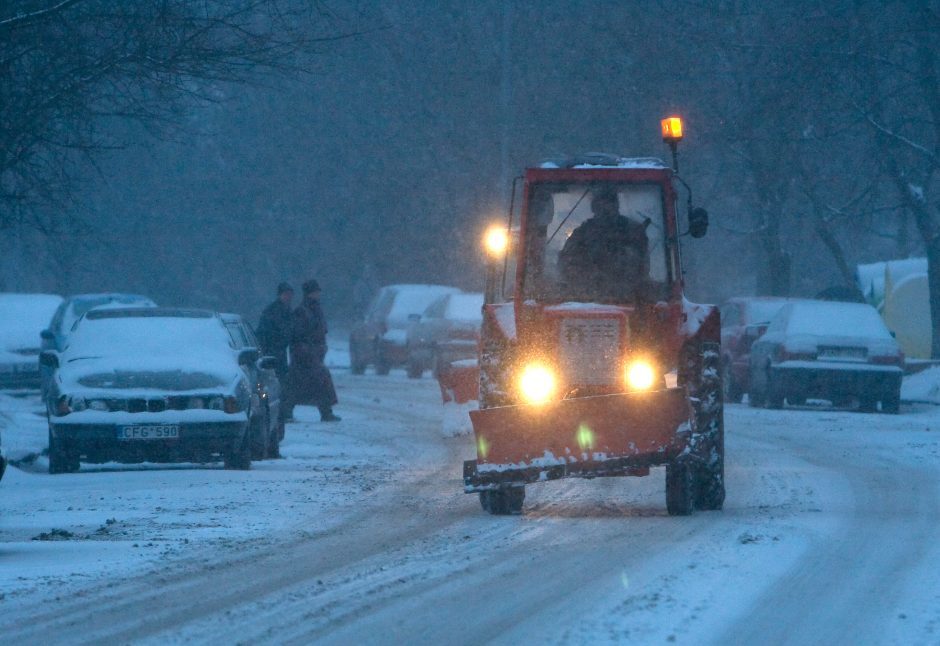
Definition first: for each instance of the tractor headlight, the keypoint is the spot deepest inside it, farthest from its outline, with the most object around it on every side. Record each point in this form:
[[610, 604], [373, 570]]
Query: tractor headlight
[[536, 383], [640, 374]]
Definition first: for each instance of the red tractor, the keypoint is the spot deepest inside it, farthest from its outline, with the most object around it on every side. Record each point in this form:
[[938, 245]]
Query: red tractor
[[593, 363]]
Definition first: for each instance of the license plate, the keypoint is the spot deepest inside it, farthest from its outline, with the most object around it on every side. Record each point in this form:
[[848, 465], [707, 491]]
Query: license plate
[[149, 432]]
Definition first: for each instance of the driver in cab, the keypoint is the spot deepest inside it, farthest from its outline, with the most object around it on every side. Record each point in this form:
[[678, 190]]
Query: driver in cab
[[607, 256]]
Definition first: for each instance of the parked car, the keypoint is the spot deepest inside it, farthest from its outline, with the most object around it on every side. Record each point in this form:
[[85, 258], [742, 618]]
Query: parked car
[[448, 330], [268, 430], [827, 350], [743, 321], [72, 309], [22, 318], [3, 462], [381, 338], [149, 384]]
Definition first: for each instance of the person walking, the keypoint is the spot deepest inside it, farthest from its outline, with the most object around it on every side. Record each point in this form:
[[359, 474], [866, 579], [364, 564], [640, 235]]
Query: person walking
[[274, 329], [310, 379]]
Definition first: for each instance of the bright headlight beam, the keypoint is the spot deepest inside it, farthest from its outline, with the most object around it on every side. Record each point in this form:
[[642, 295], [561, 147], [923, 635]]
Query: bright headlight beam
[[496, 241], [537, 384], [640, 375]]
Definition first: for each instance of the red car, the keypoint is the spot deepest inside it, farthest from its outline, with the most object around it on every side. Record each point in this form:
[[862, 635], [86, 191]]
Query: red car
[[743, 321]]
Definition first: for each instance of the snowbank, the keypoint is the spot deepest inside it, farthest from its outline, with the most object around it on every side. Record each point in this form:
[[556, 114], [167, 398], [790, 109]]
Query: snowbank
[[922, 387]]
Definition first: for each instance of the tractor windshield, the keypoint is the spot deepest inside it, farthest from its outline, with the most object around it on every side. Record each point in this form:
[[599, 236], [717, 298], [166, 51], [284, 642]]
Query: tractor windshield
[[595, 243]]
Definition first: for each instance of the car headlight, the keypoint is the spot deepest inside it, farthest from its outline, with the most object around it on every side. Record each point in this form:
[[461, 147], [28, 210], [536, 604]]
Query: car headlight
[[98, 404], [196, 402], [216, 403], [77, 404], [640, 374], [536, 383]]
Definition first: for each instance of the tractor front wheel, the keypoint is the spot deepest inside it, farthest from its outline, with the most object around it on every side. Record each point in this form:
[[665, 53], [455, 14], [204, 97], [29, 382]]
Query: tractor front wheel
[[678, 489], [503, 501]]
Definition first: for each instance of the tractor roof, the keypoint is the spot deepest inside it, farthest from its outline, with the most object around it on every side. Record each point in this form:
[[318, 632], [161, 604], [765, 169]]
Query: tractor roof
[[602, 160]]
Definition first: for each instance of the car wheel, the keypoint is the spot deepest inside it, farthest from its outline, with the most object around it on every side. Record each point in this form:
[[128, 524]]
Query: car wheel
[[732, 391], [678, 489], [891, 404], [796, 400], [868, 404], [61, 460], [381, 366], [775, 396], [415, 369], [260, 435], [356, 365], [239, 458]]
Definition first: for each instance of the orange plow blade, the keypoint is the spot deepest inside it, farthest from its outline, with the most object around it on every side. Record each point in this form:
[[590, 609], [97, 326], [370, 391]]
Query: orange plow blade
[[620, 434]]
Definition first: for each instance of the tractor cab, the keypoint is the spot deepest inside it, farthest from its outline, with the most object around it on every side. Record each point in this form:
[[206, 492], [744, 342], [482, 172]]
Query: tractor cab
[[592, 363]]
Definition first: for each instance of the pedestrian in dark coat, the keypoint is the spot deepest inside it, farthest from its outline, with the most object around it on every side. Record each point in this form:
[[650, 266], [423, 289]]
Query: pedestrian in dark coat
[[310, 380], [275, 327]]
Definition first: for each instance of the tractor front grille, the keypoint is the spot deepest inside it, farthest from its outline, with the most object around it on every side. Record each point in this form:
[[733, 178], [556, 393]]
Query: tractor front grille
[[589, 351]]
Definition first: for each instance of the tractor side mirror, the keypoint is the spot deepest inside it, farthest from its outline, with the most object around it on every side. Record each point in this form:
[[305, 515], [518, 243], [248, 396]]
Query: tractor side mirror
[[248, 356], [49, 359], [266, 363], [698, 222]]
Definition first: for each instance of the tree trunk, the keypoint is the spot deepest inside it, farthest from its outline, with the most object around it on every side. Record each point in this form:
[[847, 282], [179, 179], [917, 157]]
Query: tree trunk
[[933, 281]]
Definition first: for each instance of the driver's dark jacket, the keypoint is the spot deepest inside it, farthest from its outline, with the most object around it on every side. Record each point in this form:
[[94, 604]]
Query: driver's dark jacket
[[606, 255]]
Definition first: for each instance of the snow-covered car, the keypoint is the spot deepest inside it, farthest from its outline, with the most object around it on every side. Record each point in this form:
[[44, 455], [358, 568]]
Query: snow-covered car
[[149, 384], [826, 350], [22, 318], [71, 310], [381, 338], [267, 428], [448, 330], [743, 321]]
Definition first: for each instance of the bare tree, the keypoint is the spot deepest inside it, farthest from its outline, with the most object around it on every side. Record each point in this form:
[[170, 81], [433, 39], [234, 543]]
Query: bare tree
[[72, 72]]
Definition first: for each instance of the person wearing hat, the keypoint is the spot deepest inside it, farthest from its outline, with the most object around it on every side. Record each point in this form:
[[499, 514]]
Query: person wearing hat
[[274, 328], [310, 379]]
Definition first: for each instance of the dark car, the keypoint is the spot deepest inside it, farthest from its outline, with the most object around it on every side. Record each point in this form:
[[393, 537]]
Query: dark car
[[381, 338], [149, 384], [838, 352], [743, 321], [268, 426], [72, 309], [448, 330], [22, 318]]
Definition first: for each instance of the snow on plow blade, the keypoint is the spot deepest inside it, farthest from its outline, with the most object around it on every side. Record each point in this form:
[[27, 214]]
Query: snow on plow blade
[[622, 434]]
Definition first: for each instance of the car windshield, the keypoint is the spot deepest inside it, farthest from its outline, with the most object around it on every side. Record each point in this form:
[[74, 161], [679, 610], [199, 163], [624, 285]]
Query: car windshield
[[596, 242], [763, 311]]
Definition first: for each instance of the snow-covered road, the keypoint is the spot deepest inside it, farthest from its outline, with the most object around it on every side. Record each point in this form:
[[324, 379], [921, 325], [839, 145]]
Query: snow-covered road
[[830, 533]]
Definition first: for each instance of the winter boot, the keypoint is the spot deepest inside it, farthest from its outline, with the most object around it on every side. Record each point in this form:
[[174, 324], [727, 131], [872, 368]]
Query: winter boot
[[326, 415]]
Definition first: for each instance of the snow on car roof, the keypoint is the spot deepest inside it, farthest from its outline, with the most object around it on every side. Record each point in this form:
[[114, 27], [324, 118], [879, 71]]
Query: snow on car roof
[[23, 317], [464, 307], [830, 318]]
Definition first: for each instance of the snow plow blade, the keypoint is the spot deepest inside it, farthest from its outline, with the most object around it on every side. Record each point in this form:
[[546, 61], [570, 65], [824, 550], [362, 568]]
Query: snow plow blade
[[608, 435], [459, 382]]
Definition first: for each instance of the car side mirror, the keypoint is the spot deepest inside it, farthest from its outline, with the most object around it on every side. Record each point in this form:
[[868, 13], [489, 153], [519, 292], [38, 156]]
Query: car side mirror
[[698, 222], [266, 363], [49, 359], [47, 335], [248, 356]]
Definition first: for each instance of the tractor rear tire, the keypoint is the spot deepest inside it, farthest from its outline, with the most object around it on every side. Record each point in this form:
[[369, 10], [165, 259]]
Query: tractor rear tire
[[503, 502], [706, 467], [679, 489]]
